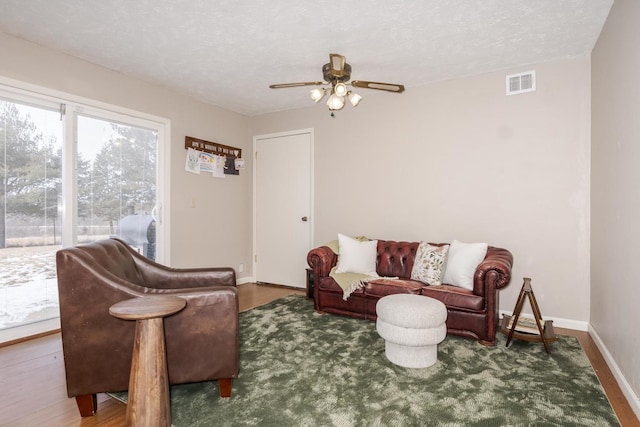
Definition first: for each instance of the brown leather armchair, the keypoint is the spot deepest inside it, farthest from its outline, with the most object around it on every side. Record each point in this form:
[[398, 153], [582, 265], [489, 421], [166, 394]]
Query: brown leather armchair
[[201, 340]]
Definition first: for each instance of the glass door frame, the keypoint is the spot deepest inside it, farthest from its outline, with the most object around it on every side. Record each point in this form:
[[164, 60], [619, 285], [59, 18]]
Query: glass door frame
[[69, 234], [71, 106]]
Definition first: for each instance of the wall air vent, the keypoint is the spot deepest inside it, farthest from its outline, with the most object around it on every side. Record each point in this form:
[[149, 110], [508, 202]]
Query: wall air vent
[[521, 83]]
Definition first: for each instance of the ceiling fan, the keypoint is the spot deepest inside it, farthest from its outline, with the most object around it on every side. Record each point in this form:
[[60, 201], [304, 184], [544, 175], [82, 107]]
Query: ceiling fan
[[336, 74]]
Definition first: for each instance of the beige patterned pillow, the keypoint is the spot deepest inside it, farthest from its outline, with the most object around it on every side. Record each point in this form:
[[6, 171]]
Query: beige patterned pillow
[[430, 263]]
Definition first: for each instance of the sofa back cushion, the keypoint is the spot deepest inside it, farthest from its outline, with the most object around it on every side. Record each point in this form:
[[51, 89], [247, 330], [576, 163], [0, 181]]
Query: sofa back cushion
[[395, 259]]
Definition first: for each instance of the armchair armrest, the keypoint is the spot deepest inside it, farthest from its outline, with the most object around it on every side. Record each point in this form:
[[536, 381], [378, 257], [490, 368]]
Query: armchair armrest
[[180, 278], [322, 259], [159, 276], [494, 271]]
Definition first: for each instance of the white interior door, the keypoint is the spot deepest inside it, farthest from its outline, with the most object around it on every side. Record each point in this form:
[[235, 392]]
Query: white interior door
[[283, 207]]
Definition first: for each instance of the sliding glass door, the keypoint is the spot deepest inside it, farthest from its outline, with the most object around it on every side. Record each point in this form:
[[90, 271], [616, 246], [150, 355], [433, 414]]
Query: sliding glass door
[[117, 183], [30, 222], [70, 174]]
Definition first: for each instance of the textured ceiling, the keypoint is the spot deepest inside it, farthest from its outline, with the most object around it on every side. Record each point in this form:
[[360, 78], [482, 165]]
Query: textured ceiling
[[227, 52]]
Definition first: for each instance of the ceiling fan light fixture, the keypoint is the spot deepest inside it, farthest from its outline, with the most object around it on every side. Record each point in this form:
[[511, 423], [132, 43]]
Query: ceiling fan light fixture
[[354, 98], [340, 89], [335, 102], [318, 94], [337, 84]]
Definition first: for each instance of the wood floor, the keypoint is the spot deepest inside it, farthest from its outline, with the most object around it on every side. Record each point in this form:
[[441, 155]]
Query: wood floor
[[32, 384]]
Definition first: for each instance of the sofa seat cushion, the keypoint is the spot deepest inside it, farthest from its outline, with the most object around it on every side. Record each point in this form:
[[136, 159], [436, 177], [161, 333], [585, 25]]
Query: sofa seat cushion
[[330, 285], [383, 287], [455, 297]]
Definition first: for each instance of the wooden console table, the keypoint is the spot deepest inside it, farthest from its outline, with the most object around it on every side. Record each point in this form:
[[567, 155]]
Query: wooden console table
[[544, 333], [148, 401]]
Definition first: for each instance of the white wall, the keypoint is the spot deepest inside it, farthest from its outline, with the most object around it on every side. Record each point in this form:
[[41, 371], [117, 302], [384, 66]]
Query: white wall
[[615, 204], [461, 160], [217, 232]]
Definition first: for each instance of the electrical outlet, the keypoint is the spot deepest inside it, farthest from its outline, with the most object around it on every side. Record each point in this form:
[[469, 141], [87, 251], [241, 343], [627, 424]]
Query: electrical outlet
[[241, 267]]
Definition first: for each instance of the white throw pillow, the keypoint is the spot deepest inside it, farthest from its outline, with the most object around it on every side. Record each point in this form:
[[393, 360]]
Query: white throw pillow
[[429, 264], [462, 263], [357, 256]]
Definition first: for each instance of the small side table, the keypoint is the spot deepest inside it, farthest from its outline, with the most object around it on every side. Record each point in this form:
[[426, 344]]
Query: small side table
[[148, 403], [544, 333]]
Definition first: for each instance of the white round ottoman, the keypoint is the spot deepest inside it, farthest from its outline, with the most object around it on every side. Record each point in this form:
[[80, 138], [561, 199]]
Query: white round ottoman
[[412, 327]]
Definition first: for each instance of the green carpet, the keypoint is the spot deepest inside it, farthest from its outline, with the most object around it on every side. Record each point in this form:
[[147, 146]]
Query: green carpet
[[299, 368]]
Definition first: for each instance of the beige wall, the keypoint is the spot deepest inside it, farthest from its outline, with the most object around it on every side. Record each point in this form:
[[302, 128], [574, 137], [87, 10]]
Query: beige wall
[[615, 204], [455, 160], [218, 230], [461, 160]]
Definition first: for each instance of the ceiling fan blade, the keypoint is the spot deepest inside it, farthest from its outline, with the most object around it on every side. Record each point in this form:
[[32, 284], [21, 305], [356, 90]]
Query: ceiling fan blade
[[390, 87], [337, 64], [283, 85]]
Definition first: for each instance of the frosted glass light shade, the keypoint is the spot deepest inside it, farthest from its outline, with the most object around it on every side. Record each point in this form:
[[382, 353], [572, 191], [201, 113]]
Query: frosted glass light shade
[[335, 102], [318, 94], [354, 98], [340, 89]]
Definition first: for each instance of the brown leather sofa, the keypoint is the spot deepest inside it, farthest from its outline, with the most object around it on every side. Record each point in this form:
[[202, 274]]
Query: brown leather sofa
[[201, 340], [472, 314]]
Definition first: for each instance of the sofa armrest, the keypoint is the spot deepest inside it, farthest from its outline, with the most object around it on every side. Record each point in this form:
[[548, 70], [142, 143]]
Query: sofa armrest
[[322, 260], [494, 270]]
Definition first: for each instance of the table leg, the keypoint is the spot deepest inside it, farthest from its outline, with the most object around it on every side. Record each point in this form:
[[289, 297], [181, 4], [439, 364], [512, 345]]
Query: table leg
[[148, 403]]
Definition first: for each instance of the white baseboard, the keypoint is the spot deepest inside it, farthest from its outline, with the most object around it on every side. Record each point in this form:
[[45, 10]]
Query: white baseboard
[[558, 322], [628, 392], [244, 280]]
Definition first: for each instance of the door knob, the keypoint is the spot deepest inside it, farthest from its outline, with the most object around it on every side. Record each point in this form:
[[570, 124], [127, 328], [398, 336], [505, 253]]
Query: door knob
[[304, 219]]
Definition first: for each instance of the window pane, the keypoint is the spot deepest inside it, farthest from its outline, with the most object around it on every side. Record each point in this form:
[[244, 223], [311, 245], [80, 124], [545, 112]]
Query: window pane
[[117, 183], [30, 208]]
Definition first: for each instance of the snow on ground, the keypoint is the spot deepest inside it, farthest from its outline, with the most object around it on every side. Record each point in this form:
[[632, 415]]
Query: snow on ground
[[28, 285]]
